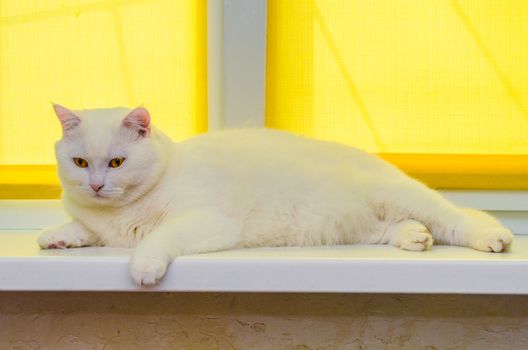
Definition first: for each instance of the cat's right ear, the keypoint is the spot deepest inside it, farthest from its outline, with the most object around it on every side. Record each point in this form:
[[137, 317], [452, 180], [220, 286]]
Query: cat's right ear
[[68, 119]]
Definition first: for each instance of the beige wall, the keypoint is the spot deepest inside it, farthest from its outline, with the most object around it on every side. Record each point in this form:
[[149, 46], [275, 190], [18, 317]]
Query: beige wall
[[261, 321]]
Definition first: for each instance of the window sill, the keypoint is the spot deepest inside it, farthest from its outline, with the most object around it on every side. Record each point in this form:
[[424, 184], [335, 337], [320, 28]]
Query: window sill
[[349, 269]]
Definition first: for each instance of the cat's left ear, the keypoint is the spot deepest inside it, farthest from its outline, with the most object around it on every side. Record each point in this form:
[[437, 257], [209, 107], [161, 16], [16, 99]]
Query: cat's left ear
[[138, 120]]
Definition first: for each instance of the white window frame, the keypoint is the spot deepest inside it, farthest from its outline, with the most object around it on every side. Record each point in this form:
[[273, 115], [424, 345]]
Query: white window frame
[[236, 63], [236, 98]]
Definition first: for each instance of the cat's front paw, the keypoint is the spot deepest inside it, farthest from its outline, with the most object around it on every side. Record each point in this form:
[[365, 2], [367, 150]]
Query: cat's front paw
[[66, 236], [493, 238], [147, 270]]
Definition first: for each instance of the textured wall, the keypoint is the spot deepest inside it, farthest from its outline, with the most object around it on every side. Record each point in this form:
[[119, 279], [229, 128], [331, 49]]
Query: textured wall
[[261, 321]]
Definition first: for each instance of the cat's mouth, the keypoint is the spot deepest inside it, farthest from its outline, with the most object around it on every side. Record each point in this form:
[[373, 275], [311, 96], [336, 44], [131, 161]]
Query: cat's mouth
[[104, 196], [99, 196]]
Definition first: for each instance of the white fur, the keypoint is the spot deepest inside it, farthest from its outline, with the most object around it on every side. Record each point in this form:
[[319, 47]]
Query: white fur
[[244, 188]]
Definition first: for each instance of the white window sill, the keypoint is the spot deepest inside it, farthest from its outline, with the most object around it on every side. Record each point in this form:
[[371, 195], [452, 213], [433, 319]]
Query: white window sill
[[351, 269]]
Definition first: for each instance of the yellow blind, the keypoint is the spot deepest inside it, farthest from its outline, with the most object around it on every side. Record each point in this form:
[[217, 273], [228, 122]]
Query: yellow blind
[[406, 77], [86, 54]]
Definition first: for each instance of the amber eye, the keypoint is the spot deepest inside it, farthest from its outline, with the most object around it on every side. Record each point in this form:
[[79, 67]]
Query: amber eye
[[81, 163], [116, 162]]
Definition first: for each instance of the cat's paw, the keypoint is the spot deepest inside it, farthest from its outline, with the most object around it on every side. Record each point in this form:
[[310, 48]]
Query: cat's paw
[[65, 236], [483, 232], [492, 238], [412, 235], [147, 270]]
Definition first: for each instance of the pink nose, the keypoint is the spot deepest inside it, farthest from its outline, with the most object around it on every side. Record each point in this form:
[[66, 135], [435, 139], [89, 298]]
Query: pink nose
[[96, 187]]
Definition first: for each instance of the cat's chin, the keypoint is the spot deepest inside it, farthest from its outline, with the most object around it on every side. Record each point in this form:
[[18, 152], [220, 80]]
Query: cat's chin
[[105, 199], [93, 200]]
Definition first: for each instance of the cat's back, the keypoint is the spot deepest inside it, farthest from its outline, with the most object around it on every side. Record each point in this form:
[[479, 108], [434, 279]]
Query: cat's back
[[265, 148], [243, 140]]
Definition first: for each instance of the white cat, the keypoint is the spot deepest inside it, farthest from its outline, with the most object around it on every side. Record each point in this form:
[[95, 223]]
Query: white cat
[[126, 184]]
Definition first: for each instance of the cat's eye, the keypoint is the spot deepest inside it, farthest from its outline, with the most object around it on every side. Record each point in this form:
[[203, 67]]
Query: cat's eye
[[81, 163], [116, 162]]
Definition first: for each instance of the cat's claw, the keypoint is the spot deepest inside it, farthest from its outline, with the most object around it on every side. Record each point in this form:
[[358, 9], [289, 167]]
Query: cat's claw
[[147, 270]]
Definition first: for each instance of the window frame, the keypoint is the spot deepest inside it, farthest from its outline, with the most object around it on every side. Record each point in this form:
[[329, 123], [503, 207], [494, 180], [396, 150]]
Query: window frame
[[228, 78], [236, 61]]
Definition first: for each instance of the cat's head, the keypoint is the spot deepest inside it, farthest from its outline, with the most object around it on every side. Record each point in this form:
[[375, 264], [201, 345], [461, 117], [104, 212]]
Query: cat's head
[[108, 157]]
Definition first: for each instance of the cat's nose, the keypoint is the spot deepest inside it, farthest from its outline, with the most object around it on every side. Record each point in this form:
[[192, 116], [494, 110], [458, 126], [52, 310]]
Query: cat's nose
[[96, 187]]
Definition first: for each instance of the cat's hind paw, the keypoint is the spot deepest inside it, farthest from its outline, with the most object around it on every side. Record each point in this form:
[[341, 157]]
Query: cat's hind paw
[[483, 232], [496, 239], [411, 235], [146, 270]]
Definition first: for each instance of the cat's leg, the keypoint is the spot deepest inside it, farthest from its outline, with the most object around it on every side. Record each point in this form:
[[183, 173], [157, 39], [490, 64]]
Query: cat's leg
[[192, 232], [70, 235], [409, 235], [448, 223]]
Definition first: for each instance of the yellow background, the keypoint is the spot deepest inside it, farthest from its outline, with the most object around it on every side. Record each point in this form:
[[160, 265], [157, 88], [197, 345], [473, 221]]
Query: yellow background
[[86, 54], [438, 87], [402, 77]]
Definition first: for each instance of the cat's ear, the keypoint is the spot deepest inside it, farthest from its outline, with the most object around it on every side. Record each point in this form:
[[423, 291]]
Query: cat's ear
[[68, 119], [138, 120]]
